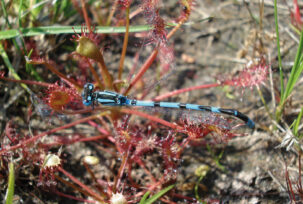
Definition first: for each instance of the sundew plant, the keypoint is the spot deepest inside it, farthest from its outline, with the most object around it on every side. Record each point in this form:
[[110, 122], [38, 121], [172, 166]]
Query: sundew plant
[[66, 137]]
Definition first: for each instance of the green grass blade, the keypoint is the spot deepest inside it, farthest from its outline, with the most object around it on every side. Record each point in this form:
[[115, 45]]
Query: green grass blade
[[52, 30], [293, 78], [35, 9], [143, 199], [295, 71], [29, 67], [4, 12], [19, 13], [297, 123], [157, 195], [11, 68], [11, 185], [278, 48]]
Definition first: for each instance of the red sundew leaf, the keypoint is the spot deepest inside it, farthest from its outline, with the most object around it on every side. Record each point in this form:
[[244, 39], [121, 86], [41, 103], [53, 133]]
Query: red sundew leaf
[[145, 145], [2, 73], [151, 14], [249, 77], [124, 3], [296, 14], [186, 8], [58, 99], [84, 33], [212, 128], [158, 33], [49, 166], [60, 96], [166, 57]]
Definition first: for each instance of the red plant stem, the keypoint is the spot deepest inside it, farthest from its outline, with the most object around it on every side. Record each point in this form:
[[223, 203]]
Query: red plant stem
[[89, 139], [180, 23], [26, 82], [142, 70], [179, 91], [107, 77], [121, 170], [98, 186], [152, 57], [152, 118], [87, 21], [167, 201], [95, 75], [136, 12], [74, 198], [130, 179], [297, 12], [97, 126], [289, 186], [124, 45], [86, 188], [184, 197], [33, 139], [299, 184], [71, 185], [55, 71], [72, 141], [133, 69], [140, 162]]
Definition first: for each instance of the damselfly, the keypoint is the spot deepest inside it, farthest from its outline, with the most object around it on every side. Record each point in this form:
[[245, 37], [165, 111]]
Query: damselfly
[[110, 98]]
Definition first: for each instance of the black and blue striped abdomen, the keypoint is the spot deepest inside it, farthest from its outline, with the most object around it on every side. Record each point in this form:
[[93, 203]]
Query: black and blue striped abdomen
[[188, 106]]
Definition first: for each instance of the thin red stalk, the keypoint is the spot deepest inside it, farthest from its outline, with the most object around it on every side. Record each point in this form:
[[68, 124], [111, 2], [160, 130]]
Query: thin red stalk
[[142, 70], [136, 12], [91, 173], [71, 185], [90, 139], [289, 187], [182, 146], [130, 179], [98, 127], [62, 76], [33, 139], [152, 118], [27, 82], [140, 194], [86, 188], [97, 185], [122, 58], [121, 170], [156, 185], [75, 112], [299, 185], [179, 91], [167, 201], [73, 141], [74, 198], [105, 149], [87, 21], [133, 69], [140, 162], [180, 23], [107, 77], [184, 197], [152, 57], [95, 75]]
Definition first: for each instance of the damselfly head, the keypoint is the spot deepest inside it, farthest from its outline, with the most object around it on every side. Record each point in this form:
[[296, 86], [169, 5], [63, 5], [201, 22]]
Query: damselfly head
[[87, 94]]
